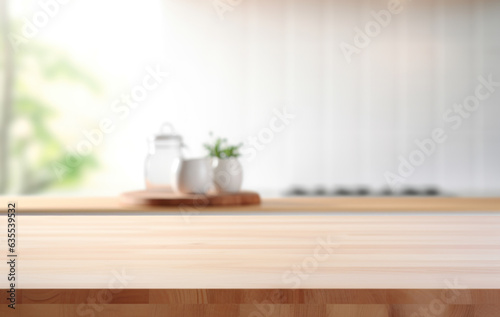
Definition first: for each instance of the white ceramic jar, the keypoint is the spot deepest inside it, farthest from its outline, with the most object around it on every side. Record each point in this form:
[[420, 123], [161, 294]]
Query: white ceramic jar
[[193, 176], [228, 174]]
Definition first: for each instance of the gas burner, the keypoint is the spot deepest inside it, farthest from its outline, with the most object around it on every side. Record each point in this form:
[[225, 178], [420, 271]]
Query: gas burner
[[362, 191]]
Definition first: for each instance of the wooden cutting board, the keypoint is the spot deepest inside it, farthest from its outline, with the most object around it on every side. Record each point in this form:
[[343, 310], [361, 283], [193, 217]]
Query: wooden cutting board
[[152, 198]]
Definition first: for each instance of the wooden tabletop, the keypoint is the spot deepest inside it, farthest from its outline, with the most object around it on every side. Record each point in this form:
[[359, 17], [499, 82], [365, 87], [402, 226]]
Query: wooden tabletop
[[334, 251], [110, 205], [378, 250]]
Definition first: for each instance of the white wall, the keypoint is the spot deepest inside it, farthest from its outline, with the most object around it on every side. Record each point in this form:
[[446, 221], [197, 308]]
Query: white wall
[[352, 120]]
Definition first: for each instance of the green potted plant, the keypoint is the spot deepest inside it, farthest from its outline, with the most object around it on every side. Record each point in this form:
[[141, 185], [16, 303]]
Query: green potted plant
[[227, 169]]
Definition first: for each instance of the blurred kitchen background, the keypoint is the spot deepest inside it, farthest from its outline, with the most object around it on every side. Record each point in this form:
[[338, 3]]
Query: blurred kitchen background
[[231, 66]]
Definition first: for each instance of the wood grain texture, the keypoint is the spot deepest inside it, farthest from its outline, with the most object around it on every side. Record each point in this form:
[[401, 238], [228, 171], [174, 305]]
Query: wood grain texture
[[69, 310], [283, 310], [190, 264], [359, 310], [473, 297], [77, 296], [156, 198], [107, 205], [247, 252], [258, 303]]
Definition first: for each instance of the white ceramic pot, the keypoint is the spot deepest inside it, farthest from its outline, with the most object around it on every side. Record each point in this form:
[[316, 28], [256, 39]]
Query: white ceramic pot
[[192, 176], [228, 175]]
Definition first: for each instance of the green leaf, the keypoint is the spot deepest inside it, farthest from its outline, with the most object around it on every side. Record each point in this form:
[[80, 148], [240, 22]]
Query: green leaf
[[221, 150]]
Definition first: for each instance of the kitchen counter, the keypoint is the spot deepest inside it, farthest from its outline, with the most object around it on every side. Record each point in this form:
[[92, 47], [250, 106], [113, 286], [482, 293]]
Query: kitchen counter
[[388, 251], [108, 205]]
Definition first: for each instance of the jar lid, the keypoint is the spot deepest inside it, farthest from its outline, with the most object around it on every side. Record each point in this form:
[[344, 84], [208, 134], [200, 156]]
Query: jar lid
[[167, 133]]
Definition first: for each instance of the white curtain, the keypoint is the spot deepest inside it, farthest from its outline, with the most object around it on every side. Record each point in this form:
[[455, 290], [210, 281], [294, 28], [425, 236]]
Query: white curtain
[[353, 120]]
